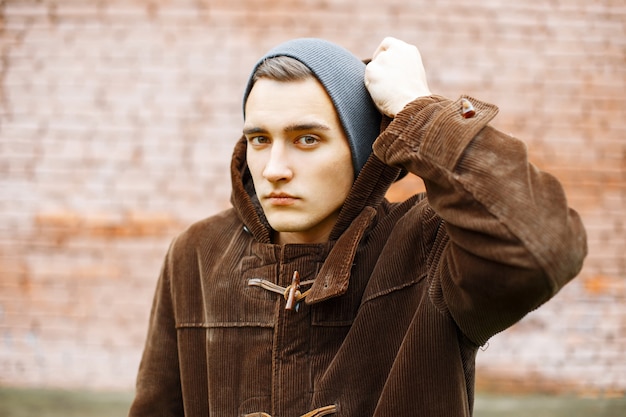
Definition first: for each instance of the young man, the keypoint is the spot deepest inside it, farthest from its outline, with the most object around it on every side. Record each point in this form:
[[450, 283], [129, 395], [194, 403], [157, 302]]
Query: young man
[[315, 296]]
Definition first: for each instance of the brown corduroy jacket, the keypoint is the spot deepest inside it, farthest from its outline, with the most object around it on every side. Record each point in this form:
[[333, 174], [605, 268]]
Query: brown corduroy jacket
[[398, 300]]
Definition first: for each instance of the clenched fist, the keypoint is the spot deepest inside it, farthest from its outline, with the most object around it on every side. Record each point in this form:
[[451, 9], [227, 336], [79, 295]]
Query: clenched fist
[[395, 76]]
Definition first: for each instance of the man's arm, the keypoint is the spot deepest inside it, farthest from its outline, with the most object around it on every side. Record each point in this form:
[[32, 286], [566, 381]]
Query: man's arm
[[158, 388], [513, 240]]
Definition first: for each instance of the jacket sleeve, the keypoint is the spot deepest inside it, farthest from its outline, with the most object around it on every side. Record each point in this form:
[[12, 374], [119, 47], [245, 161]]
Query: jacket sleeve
[[511, 240], [158, 387]]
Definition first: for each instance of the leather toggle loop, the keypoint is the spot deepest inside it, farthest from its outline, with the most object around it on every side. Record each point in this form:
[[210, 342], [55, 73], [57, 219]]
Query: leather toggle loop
[[292, 293], [318, 412]]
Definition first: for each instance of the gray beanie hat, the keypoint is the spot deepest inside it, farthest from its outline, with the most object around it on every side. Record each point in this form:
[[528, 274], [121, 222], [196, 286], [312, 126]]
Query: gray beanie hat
[[342, 75]]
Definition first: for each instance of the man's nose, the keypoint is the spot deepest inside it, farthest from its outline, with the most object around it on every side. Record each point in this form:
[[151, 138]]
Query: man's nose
[[278, 165]]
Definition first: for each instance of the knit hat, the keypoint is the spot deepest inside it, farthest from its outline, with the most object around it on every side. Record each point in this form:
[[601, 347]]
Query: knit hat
[[342, 75]]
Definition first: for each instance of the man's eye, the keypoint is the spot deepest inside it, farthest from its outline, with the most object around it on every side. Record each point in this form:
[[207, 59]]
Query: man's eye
[[258, 140], [307, 140]]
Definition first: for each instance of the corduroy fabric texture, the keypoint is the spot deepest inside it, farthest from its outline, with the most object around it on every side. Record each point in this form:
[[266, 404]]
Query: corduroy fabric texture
[[341, 73], [401, 296]]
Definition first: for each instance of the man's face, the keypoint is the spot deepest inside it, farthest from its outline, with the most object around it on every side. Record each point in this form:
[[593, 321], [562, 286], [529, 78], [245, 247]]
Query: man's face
[[299, 158]]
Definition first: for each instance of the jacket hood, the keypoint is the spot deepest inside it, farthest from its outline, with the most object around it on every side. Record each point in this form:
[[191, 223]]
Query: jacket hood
[[368, 190]]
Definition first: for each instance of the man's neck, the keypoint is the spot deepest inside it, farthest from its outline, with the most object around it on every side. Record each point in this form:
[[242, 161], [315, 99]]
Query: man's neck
[[290, 238]]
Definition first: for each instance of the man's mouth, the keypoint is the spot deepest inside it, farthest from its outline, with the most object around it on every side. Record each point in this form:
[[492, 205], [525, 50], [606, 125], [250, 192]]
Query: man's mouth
[[281, 199]]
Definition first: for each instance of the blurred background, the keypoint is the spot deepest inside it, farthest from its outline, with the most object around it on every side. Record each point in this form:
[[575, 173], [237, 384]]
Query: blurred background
[[117, 122]]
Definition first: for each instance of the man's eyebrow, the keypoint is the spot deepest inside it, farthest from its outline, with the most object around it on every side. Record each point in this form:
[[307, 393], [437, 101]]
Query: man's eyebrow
[[295, 127], [253, 130], [298, 127]]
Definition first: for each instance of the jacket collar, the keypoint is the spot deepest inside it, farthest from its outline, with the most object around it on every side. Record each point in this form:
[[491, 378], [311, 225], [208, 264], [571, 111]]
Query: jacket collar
[[243, 197]]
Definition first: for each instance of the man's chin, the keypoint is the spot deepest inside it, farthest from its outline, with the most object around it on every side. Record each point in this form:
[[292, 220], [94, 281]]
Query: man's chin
[[282, 228]]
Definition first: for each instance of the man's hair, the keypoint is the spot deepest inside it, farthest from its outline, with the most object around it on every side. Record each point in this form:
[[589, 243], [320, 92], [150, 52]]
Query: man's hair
[[282, 68]]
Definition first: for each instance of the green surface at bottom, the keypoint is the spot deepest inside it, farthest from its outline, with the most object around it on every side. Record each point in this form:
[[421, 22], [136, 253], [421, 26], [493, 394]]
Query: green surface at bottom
[[547, 406], [55, 403]]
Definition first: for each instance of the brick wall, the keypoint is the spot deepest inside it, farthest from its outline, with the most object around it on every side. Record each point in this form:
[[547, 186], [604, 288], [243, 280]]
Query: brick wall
[[117, 120]]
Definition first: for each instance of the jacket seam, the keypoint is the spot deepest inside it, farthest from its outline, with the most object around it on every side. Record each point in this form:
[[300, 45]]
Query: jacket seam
[[388, 291], [224, 325]]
